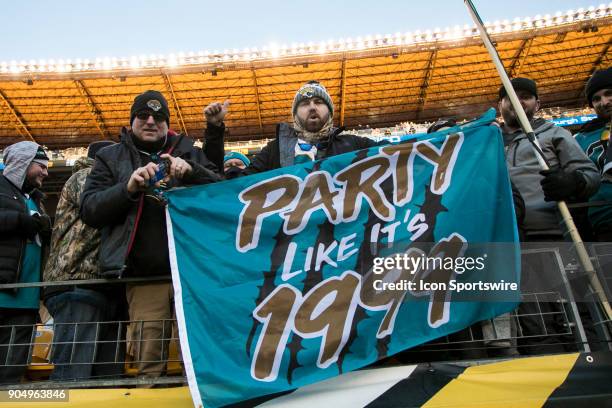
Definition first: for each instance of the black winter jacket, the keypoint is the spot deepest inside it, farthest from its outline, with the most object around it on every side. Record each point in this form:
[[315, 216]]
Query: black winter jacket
[[106, 204], [12, 238], [269, 157]]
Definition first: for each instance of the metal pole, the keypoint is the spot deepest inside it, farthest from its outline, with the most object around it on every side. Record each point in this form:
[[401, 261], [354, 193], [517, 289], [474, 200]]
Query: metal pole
[[583, 255]]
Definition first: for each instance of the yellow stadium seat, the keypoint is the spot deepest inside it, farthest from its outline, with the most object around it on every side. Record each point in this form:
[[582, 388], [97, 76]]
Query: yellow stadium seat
[[40, 367]]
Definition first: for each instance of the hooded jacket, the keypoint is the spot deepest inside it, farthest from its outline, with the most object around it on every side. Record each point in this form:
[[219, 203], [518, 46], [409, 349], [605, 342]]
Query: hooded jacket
[[593, 141], [13, 209], [560, 149], [107, 205], [74, 245]]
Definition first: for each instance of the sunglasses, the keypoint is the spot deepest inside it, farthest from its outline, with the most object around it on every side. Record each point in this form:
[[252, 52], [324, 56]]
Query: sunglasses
[[158, 117]]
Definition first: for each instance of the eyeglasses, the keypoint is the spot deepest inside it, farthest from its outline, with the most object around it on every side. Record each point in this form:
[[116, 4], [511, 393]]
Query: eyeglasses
[[158, 117]]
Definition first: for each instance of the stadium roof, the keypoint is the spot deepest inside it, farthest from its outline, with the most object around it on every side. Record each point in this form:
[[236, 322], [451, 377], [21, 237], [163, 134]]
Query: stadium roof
[[375, 80]]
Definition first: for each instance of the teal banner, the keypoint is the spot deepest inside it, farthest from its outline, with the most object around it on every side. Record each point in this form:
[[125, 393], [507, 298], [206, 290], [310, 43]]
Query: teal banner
[[299, 274]]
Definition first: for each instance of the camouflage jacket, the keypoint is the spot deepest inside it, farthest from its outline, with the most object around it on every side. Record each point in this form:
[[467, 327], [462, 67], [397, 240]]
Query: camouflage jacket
[[74, 245]]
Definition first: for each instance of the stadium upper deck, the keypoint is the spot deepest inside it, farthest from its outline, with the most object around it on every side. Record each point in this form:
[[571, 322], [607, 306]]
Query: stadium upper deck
[[374, 80]]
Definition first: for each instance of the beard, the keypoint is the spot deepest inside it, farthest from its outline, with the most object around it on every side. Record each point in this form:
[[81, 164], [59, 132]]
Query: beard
[[313, 126], [604, 112], [29, 185], [317, 136], [511, 118]]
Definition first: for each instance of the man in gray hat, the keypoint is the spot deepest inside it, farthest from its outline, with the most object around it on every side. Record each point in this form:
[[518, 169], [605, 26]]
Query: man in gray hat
[[24, 232], [310, 137]]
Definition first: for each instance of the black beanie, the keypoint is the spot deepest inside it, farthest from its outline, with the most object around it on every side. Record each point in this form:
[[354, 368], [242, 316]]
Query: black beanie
[[94, 147], [524, 84], [41, 154], [151, 101], [442, 123], [601, 79]]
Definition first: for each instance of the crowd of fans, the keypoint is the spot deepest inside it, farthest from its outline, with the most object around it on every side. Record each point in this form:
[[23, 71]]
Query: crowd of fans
[[70, 155], [110, 219]]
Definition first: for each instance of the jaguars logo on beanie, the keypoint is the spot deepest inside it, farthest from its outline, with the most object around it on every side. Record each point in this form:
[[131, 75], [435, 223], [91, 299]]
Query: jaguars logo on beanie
[[309, 90], [150, 101]]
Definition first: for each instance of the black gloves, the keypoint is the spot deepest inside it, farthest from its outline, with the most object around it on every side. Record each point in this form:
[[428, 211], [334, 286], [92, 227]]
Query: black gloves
[[559, 185], [35, 224], [233, 172], [46, 227]]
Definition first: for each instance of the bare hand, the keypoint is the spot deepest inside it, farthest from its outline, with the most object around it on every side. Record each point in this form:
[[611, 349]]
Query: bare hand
[[139, 180], [216, 111], [178, 167]]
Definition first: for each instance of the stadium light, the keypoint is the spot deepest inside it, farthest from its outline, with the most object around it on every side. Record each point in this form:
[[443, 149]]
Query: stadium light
[[311, 48], [274, 50], [322, 48]]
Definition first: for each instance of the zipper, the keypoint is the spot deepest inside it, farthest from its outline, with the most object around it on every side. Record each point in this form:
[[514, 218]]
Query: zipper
[[22, 251], [139, 211], [133, 234], [18, 275], [514, 153]]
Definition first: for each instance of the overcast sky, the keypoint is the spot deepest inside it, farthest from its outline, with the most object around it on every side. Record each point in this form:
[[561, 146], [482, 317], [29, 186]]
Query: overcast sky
[[35, 29]]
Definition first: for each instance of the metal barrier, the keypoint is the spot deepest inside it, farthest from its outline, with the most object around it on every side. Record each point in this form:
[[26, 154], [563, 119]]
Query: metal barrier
[[550, 321]]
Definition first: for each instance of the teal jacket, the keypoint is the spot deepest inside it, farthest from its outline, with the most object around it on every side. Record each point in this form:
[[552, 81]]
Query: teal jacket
[[593, 139]]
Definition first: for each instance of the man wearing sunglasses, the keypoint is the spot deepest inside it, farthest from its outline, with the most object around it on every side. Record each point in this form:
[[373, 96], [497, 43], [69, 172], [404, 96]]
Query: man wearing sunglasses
[[310, 137], [123, 196]]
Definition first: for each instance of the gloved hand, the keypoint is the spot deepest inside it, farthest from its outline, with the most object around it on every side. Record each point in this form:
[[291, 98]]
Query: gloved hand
[[45, 226], [559, 185], [29, 225], [34, 224], [233, 172]]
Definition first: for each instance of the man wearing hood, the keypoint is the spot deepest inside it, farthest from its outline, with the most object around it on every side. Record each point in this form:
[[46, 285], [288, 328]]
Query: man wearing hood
[[312, 135], [571, 177], [594, 138], [24, 232], [86, 331], [123, 197]]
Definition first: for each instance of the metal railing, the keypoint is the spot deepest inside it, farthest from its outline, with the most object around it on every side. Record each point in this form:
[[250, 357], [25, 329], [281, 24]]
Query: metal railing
[[561, 320]]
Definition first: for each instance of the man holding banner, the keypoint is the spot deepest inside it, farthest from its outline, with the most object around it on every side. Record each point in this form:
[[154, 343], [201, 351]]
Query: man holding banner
[[312, 135], [124, 197]]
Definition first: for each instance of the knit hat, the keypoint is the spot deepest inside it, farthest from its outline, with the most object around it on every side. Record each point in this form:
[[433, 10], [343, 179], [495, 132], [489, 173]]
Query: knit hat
[[237, 155], [524, 84], [309, 90], [150, 101], [442, 123], [41, 157], [601, 79], [94, 147]]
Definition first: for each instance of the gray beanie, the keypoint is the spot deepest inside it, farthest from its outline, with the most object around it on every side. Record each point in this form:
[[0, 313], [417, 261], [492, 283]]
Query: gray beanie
[[309, 90]]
